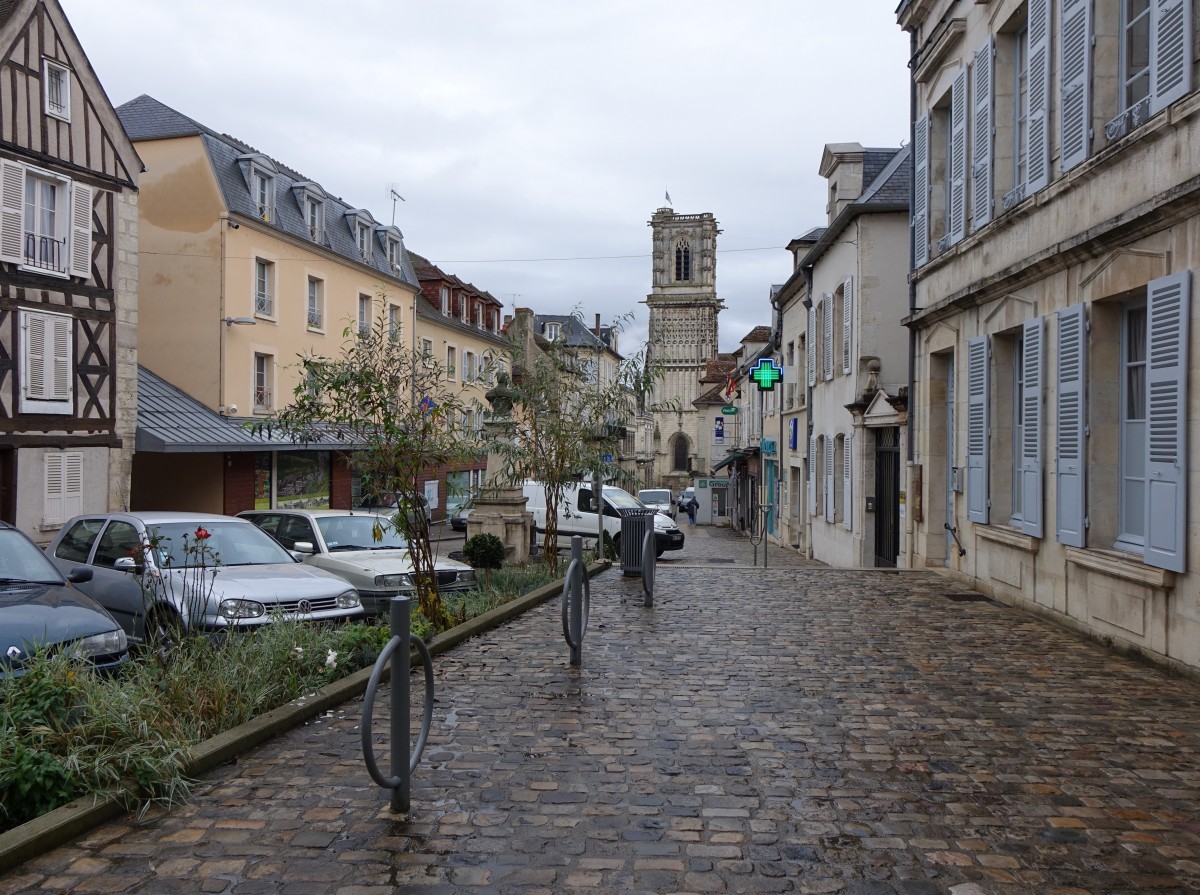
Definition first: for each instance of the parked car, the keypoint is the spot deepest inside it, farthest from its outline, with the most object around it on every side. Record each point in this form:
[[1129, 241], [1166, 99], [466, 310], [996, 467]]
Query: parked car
[[389, 505], [40, 609], [458, 519], [684, 496], [577, 514], [659, 499], [159, 571], [363, 548]]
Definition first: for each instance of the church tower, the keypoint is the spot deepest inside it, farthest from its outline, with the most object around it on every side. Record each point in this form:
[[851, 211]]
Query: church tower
[[683, 307]]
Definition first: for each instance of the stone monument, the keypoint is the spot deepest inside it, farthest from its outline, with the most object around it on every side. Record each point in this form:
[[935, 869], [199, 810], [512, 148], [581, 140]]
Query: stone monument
[[500, 507]]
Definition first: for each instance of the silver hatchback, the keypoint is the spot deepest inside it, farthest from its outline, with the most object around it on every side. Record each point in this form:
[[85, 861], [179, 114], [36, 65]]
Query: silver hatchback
[[157, 571]]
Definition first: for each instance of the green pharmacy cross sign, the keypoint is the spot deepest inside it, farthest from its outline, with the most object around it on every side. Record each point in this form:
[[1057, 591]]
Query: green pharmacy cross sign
[[766, 373]]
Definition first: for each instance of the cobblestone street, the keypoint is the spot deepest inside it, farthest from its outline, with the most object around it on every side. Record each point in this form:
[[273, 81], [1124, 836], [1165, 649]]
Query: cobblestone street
[[794, 729]]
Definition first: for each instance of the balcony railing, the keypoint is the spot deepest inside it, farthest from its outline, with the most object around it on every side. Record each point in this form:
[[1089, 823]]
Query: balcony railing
[[264, 304], [46, 253], [314, 318], [1129, 120], [262, 397]]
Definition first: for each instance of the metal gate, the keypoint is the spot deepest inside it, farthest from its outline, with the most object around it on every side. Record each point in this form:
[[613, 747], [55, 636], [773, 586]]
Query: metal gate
[[887, 496]]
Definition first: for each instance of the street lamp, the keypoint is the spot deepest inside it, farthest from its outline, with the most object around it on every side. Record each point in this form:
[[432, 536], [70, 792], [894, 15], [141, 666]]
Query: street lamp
[[240, 321]]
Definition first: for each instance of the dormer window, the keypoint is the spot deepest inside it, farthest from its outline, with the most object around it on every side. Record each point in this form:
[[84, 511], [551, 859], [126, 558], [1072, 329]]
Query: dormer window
[[362, 236], [464, 309], [259, 172], [445, 294], [479, 316], [57, 79], [552, 331], [314, 216], [683, 261], [362, 228], [392, 240]]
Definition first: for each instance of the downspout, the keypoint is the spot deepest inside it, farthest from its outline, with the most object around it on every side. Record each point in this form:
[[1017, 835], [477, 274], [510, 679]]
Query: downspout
[[910, 414], [807, 272]]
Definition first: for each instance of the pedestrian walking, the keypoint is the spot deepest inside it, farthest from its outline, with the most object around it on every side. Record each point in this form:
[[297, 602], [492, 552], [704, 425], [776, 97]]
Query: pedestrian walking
[[691, 506]]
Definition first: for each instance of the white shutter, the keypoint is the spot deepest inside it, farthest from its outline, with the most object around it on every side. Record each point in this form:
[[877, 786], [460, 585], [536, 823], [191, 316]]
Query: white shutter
[[39, 355], [1170, 51], [60, 334], [812, 475], [12, 204], [958, 157], [1032, 381], [847, 318], [81, 231], [978, 499], [827, 336], [1038, 138], [811, 346], [829, 503], [1075, 82], [1071, 428], [72, 484], [920, 215], [982, 104], [1167, 302], [53, 509], [847, 468]]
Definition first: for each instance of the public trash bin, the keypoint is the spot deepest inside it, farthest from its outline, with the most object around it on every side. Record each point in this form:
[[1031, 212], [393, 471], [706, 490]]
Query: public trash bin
[[635, 522]]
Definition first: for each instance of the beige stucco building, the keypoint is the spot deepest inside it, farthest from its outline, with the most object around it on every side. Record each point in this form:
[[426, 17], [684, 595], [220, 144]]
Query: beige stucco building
[[68, 279], [1056, 158]]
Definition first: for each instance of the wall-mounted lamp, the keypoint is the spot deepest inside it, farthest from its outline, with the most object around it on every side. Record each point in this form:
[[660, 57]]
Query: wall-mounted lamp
[[240, 321], [233, 225]]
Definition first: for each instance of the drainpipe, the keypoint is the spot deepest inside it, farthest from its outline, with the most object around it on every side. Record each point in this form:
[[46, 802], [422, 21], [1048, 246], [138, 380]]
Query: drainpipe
[[807, 272], [910, 413]]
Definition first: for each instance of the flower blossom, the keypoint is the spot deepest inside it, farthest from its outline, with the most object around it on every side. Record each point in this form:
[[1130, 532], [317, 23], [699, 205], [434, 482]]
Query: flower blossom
[[331, 660], [202, 534]]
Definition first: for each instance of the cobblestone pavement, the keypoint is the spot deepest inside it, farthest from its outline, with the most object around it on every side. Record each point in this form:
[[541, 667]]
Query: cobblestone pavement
[[784, 730]]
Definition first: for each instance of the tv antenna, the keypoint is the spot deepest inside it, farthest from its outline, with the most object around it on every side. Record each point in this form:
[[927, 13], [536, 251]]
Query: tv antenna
[[395, 195]]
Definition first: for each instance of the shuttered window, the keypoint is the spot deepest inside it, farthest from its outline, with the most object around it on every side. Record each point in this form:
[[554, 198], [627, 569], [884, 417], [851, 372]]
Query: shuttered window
[[847, 320], [45, 221], [978, 498], [1075, 82], [1032, 381], [829, 501], [46, 347], [847, 478], [1170, 51], [812, 480], [920, 213], [811, 347], [62, 495], [1071, 426], [1037, 152], [827, 336], [956, 193], [982, 133]]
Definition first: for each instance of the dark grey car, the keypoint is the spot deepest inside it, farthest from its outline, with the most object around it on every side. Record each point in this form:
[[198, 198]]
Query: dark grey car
[[39, 609]]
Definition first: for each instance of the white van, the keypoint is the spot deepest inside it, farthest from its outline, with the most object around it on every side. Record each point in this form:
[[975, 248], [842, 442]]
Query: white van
[[577, 514]]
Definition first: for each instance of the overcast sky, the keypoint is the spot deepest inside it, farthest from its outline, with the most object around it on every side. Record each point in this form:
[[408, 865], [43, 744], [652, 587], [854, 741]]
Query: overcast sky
[[524, 131]]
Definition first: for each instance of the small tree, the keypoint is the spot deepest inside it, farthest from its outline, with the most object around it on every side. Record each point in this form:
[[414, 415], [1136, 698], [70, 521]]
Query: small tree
[[399, 413], [484, 551]]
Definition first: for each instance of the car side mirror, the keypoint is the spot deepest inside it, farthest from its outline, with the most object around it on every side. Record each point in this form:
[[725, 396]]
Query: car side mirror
[[127, 564], [304, 548], [80, 574]]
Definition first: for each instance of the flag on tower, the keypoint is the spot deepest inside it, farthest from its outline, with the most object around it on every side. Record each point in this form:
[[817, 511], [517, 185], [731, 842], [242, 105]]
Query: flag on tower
[[669, 199]]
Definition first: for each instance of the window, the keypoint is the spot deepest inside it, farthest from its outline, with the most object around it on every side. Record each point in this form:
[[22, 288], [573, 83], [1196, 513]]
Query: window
[[680, 461], [1131, 484], [393, 253], [264, 288], [316, 303], [314, 216], [58, 89], [552, 331], [1154, 58], [362, 236], [839, 475], [479, 316], [45, 221], [1021, 106], [683, 261], [1135, 52], [394, 323], [364, 315], [445, 293], [264, 365], [464, 306], [262, 188], [468, 366], [826, 314], [1018, 425], [47, 366], [426, 348], [451, 362], [63, 481]]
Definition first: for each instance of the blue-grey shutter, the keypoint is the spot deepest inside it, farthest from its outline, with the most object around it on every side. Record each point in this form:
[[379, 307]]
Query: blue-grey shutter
[[847, 319], [957, 200], [1038, 135], [982, 127], [1070, 470], [827, 335], [978, 500], [812, 475], [920, 214], [1170, 51], [1167, 302], [829, 502], [1075, 68], [811, 346], [1033, 376], [847, 481]]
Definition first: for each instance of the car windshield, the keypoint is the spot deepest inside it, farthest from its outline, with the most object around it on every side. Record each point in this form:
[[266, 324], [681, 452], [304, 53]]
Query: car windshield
[[663, 496], [360, 533], [621, 500], [214, 542], [21, 561]]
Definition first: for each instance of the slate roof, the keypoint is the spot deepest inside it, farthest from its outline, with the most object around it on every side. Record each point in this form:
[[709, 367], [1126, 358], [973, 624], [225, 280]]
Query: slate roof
[[573, 333], [145, 118], [758, 334], [892, 184], [171, 421]]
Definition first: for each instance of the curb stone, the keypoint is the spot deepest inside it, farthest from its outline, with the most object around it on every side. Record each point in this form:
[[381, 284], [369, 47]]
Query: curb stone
[[68, 821]]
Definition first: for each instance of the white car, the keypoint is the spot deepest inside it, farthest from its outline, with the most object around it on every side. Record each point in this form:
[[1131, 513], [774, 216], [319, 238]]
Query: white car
[[363, 548], [659, 499], [160, 571]]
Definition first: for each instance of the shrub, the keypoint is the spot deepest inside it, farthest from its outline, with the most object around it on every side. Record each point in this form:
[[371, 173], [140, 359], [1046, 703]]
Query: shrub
[[484, 551]]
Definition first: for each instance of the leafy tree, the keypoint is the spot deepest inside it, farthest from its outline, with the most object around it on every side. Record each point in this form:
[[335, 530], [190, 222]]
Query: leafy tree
[[484, 551], [400, 415]]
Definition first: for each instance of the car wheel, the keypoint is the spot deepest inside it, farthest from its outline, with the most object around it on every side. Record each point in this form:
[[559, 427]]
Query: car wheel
[[164, 629], [659, 553]]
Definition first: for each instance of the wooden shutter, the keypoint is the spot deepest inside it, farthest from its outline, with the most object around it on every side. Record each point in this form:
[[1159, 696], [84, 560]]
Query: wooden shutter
[[812, 475], [60, 369], [1170, 51], [958, 157], [982, 105], [72, 484], [12, 206], [978, 500], [38, 355], [811, 345], [827, 335], [847, 478], [1038, 137], [920, 215], [53, 510], [1071, 428], [81, 231], [847, 318], [1033, 377], [1075, 82], [829, 503], [1167, 302]]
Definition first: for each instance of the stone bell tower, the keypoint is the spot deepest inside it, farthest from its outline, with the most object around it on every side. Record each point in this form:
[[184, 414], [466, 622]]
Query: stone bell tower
[[683, 307]]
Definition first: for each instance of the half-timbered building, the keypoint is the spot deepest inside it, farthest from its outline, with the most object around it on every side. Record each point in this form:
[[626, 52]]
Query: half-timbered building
[[68, 278]]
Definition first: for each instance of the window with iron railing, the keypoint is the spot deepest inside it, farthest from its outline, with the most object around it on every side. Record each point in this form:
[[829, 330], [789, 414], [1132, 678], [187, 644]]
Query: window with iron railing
[[263, 372], [264, 288]]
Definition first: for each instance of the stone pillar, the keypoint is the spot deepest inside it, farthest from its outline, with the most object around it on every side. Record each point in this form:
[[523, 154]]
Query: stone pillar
[[500, 507]]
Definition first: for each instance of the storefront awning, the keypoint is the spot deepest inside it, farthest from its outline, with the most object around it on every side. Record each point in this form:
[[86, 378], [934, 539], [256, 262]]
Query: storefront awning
[[729, 458]]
